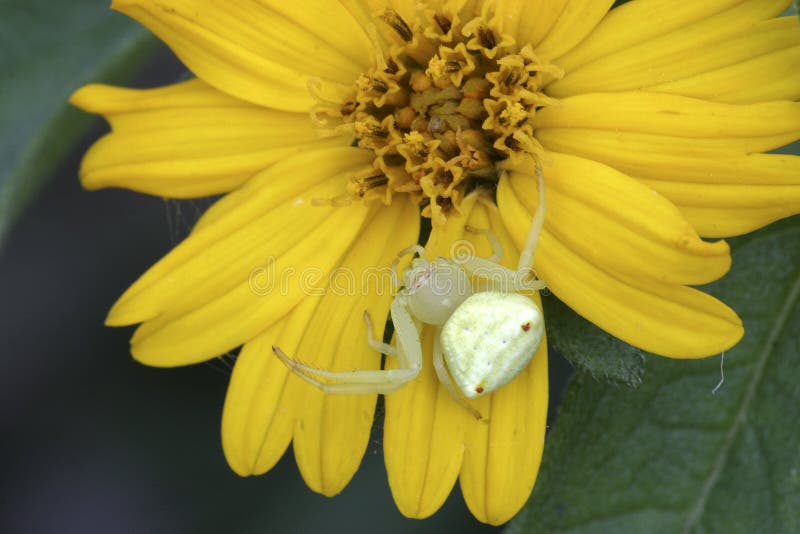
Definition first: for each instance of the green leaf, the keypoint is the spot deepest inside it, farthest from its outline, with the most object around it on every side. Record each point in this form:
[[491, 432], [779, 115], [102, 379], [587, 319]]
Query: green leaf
[[49, 49], [671, 456], [590, 349]]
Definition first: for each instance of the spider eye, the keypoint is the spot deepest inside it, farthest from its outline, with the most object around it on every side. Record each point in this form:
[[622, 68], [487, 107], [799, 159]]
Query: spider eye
[[419, 280]]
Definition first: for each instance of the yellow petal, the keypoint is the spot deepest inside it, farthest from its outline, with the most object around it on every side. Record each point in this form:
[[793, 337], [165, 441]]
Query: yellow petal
[[604, 145], [259, 416], [241, 313], [502, 455], [637, 22], [742, 191], [665, 158], [359, 10], [332, 431], [769, 124], [260, 51], [727, 222], [575, 22], [619, 224], [423, 428], [268, 221], [232, 279], [749, 195], [643, 22], [695, 48], [188, 139], [667, 319], [529, 22], [777, 75]]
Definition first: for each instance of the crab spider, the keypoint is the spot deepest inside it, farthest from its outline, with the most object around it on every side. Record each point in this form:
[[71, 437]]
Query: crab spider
[[483, 338]]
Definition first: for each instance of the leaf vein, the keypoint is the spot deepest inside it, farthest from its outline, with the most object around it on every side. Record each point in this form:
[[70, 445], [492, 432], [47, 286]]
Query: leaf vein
[[741, 415]]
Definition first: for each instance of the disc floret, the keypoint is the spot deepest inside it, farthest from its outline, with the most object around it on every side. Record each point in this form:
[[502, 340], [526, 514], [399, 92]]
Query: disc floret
[[450, 101]]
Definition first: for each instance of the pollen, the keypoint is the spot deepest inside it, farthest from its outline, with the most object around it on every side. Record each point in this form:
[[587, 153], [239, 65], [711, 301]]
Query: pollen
[[443, 108]]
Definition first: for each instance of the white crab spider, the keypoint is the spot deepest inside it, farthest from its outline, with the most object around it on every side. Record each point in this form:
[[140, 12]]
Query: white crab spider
[[483, 339]]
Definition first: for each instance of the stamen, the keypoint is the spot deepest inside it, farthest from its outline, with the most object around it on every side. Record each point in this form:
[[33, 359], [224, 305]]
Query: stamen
[[391, 67], [393, 19], [450, 65], [362, 186], [377, 90], [443, 22], [378, 136], [487, 38], [485, 33], [511, 142], [348, 108], [443, 177], [364, 129], [379, 86]]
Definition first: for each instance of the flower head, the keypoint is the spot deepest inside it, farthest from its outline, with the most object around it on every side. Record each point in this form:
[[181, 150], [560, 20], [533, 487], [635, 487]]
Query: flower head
[[333, 126]]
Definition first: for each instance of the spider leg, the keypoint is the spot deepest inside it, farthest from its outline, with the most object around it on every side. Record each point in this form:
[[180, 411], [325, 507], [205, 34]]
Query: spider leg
[[409, 358], [373, 381], [500, 278], [525, 264], [497, 246], [409, 346], [383, 348], [413, 249]]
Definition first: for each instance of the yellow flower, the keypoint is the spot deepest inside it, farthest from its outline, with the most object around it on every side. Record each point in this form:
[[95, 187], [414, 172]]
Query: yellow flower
[[331, 125]]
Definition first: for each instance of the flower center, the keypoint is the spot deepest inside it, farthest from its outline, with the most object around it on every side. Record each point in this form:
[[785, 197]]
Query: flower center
[[447, 104]]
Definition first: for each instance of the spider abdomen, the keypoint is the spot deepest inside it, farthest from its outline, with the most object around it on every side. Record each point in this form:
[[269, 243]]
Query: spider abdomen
[[489, 339]]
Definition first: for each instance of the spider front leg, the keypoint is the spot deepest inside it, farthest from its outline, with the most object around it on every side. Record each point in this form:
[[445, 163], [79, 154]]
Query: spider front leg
[[409, 346], [537, 223], [413, 249], [383, 348], [409, 358], [347, 382]]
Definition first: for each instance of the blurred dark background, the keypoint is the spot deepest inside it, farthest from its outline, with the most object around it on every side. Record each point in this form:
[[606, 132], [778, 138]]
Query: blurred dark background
[[96, 442]]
